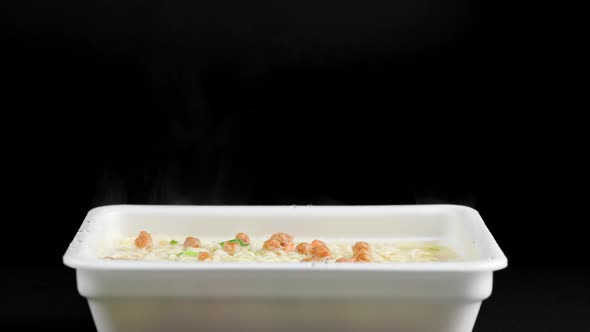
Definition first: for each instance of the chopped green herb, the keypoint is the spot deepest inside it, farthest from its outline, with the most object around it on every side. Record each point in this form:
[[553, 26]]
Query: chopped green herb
[[433, 249], [242, 243], [188, 253], [173, 242]]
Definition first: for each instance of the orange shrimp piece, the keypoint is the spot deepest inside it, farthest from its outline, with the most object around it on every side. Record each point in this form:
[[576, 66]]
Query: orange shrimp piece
[[360, 252], [143, 240], [304, 248], [309, 259], [192, 242], [316, 243], [363, 258], [271, 244], [289, 247], [345, 260], [360, 245], [244, 237], [231, 247], [320, 252], [283, 238], [360, 248], [204, 256]]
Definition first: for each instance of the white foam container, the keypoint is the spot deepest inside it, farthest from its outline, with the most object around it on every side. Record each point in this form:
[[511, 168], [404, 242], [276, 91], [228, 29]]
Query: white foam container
[[135, 296]]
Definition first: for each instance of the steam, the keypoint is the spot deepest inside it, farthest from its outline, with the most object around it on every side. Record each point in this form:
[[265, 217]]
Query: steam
[[202, 158], [110, 189], [432, 196], [189, 163]]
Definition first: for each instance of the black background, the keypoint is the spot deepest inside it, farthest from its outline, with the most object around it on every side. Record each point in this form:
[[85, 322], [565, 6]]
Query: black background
[[525, 173], [178, 102]]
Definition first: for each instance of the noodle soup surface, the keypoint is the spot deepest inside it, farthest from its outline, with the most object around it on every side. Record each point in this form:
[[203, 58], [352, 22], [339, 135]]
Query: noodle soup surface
[[275, 248]]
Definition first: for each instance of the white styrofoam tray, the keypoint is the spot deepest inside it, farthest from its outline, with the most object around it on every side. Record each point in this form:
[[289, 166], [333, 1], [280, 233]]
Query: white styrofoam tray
[[176, 296]]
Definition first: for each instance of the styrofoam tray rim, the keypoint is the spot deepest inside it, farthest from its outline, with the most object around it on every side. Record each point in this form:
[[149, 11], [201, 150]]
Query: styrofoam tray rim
[[73, 260], [98, 264]]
